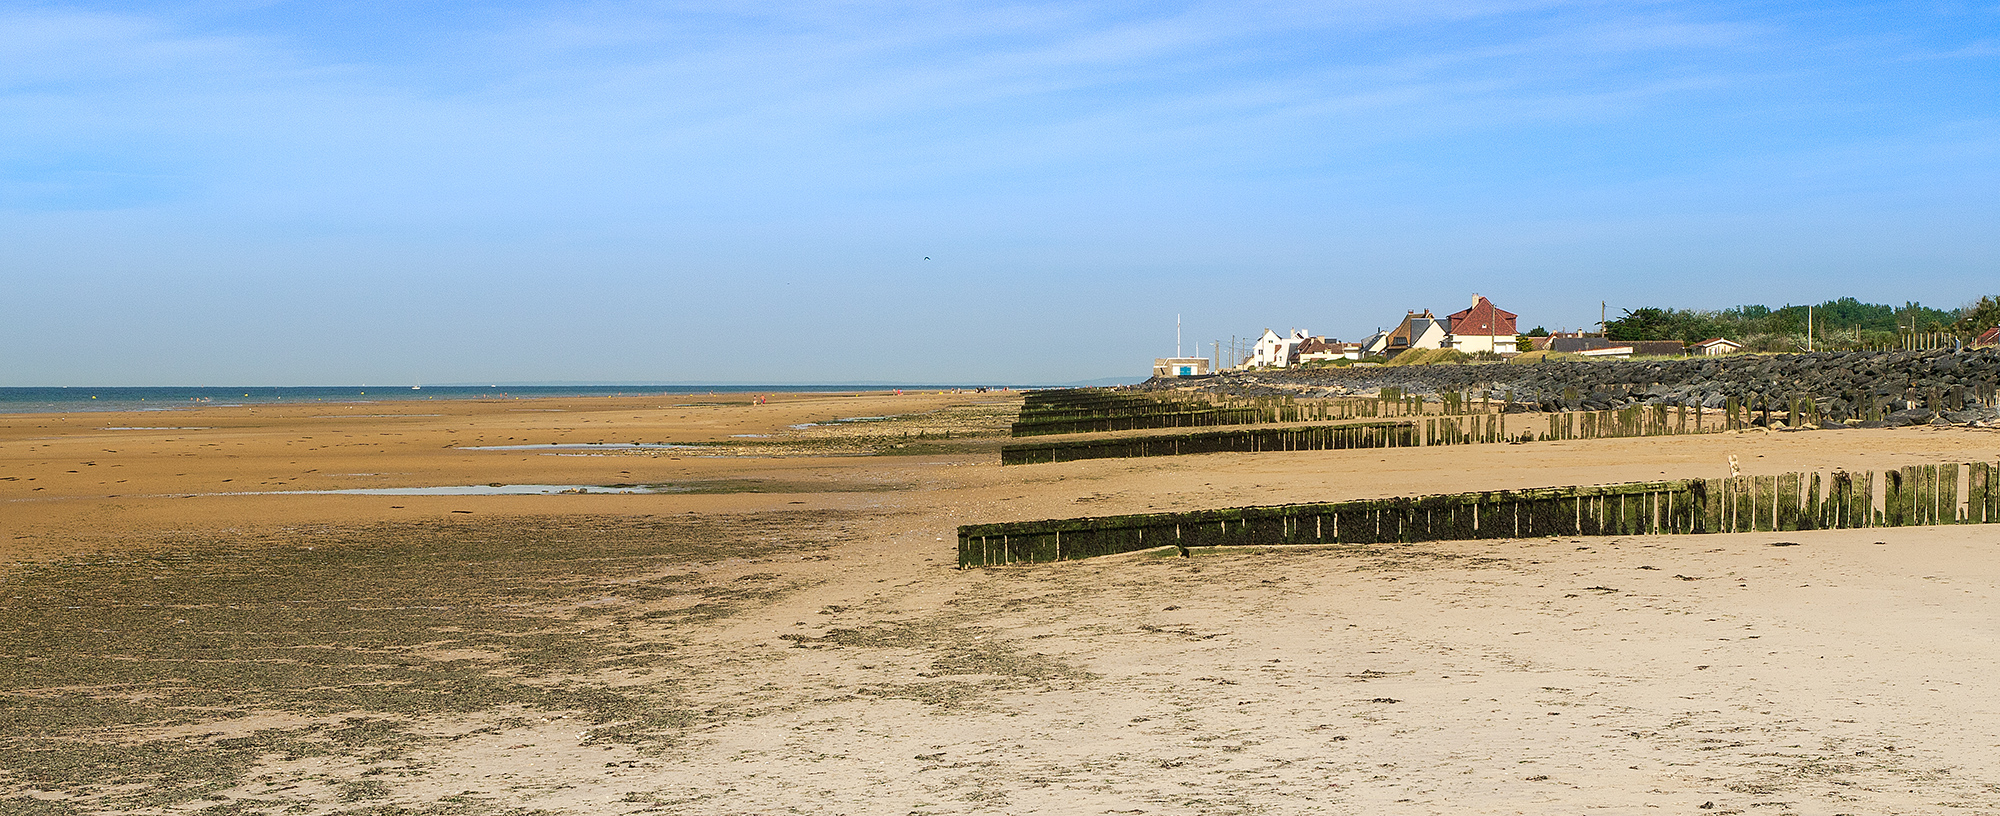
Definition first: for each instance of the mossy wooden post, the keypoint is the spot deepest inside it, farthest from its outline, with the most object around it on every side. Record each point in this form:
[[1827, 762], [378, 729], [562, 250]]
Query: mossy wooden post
[[1949, 495], [1897, 485], [1814, 517], [1725, 498], [1787, 500], [1927, 494], [1892, 499], [1767, 500], [1852, 493], [1742, 505], [1976, 476], [1707, 505], [1865, 494], [1856, 500], [1993, 494], [1922, 493], [1992, 510], [1717, 504]]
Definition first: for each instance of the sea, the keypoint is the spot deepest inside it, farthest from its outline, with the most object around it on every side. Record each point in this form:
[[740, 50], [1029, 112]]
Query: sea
[[169, 398]]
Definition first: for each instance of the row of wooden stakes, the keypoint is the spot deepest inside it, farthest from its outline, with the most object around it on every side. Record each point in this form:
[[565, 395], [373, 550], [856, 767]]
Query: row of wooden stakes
[[1917, 495]]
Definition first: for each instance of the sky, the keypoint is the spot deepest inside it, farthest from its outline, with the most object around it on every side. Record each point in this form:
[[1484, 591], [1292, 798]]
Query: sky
[[236, 192]]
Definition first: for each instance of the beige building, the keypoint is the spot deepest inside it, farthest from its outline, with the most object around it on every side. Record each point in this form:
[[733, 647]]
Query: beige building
[[1180, 366]]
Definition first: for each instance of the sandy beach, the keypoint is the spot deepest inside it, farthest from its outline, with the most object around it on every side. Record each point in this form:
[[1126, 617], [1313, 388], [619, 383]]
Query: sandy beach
[[778, 625]]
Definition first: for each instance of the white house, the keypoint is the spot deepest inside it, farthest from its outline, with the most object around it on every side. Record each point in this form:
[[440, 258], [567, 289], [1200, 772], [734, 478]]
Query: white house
[[1483, 327], [1275, 350], [1717, 346], [1375, 345]]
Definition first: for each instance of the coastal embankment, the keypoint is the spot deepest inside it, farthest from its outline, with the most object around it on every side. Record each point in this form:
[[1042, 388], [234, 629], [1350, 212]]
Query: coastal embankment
[[1865, 386]]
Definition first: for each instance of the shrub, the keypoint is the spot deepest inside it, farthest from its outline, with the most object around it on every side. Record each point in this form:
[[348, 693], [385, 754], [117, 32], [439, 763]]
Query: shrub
[[1429, 357]]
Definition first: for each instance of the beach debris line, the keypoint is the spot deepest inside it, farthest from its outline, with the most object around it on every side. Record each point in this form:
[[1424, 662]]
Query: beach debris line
[[1912, 496]]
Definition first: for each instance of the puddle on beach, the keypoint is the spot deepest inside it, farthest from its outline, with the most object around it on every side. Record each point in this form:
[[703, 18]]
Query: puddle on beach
[[842, 420], [159, 428]]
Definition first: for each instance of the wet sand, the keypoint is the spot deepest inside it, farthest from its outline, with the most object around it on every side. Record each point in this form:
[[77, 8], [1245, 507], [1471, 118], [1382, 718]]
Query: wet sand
[[787, 630]]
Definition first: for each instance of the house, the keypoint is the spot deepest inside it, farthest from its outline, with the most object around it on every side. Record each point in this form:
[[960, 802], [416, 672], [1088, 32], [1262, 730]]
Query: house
[[1275, 350], [1715, 346], [1609, 352], [1483, 327], [1375, 345], [1990, 337], [1318, 349], [1419, 330], [1180, 366]]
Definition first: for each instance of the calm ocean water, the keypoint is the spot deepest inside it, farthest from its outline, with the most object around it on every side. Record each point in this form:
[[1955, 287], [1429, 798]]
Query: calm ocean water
[[61, 400]]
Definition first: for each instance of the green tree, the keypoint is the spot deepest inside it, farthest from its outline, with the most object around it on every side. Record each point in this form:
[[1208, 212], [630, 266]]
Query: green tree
[[1649, 323], [1978, 317]]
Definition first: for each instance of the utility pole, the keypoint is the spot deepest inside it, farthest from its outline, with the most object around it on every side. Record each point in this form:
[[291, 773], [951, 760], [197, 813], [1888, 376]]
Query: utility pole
[[1602, 330], [1177, 335], [1808, 327]]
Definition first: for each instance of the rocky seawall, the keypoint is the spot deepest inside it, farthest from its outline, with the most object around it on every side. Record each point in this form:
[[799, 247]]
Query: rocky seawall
[[1867, 388]]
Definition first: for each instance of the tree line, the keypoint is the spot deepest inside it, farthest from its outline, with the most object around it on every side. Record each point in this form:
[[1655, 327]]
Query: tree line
[[1836, 324]]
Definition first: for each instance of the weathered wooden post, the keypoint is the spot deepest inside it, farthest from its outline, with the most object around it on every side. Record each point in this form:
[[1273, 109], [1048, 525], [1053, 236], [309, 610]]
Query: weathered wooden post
[[1815, 510], [1767, 501], [1787, 501], [1947, 495]]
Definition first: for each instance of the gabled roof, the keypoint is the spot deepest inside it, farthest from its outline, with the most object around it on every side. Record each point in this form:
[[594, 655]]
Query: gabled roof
[[1482, 319], [1413, 328], [1716, 342], [1987, 338]]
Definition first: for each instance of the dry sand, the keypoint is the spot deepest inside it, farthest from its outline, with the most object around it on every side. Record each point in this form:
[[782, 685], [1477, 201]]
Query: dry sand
[[789, 632]]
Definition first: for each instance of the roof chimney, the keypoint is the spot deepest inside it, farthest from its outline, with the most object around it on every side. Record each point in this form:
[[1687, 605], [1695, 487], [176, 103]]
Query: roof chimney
[[1475, 299]]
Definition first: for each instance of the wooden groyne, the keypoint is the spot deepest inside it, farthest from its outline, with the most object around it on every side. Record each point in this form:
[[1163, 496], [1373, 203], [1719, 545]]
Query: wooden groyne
[[1069, 411], [1917, 495], [1312, 437], [1458, 429]]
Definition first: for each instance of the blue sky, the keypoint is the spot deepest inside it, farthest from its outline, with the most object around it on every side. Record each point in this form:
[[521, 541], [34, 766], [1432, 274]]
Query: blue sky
[[303, 193]]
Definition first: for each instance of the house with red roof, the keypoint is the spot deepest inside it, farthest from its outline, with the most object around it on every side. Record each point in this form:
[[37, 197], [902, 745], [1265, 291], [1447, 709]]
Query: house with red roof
[[1990, 337], [1483, 327]]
